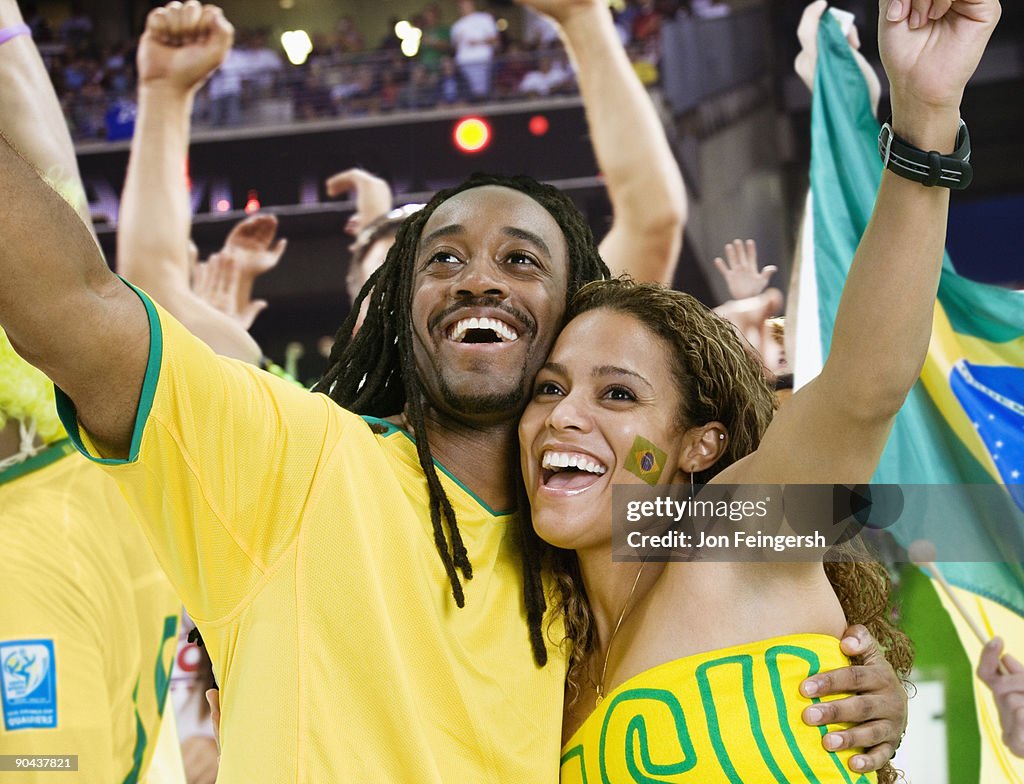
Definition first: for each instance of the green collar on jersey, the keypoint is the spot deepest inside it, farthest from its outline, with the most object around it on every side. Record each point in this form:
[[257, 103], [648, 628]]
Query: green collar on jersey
[[390, 429], [49, 454]]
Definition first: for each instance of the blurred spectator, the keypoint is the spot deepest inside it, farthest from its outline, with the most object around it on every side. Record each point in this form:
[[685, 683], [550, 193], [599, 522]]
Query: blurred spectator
[[261, 62], [646, 25], [625, 16], [226, 90], [76, 30], [191, 677], [353, 96], [539, 32], [41, 32], [313, 97], [344, 84], [549, 75], [450, 88], [709, 9], [391, 41], [511, 69], [348, 39], [474, 36], [117, 71], [623, 26], [323, 49], [421, 91], [436, 41], [387, 91], [120, 118], [254, 62], [79, 72], [645, 65]]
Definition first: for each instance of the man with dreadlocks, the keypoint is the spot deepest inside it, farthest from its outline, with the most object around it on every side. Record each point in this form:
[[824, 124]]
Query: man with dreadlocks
[[362, 600]]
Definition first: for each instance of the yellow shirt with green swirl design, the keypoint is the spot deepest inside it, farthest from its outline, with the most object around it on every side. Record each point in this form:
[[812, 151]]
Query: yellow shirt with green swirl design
[[730, 716]]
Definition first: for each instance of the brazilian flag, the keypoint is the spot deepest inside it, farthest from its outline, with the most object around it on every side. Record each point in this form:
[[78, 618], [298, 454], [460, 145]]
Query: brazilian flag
[[963, 422]]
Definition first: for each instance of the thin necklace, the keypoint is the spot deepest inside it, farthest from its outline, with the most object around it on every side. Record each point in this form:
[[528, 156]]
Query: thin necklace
[[618, 623]]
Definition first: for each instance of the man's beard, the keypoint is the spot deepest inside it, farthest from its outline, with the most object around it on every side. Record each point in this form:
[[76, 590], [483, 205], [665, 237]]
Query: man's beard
[[510, 401]]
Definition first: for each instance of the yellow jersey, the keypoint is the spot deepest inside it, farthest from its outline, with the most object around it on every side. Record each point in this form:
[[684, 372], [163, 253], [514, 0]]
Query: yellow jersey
[[88, 623], [301, 544], [730, 716]]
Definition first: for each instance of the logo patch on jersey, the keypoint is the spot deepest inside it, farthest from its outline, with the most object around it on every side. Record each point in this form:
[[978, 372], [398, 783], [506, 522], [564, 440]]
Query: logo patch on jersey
[[28, 684]]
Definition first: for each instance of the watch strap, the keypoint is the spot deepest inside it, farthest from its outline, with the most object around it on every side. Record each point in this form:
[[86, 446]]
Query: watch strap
[[928, 168]]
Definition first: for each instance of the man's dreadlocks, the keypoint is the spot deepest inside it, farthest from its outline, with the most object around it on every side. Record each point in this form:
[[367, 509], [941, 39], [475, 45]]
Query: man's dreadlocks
[[373, 372]]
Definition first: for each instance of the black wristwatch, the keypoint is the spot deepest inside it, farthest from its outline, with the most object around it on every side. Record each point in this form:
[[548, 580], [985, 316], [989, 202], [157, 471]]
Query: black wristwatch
[[928, 168]]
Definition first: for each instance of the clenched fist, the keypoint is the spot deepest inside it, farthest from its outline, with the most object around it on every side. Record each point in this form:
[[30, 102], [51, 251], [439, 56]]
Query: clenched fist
[[183, 44]]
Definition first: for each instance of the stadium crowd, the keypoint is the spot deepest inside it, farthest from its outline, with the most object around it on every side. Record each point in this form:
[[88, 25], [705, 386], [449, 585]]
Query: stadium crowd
[[475, 57], [454, 643]]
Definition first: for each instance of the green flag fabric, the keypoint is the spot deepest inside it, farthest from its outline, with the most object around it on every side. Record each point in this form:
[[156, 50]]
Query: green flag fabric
[[963, 422]]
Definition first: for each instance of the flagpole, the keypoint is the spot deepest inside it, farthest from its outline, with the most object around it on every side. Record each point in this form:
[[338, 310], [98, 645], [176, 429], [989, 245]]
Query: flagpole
[[922, 553]]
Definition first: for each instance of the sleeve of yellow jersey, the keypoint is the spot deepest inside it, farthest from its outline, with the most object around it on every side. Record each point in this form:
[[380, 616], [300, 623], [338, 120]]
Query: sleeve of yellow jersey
[[220, 466]]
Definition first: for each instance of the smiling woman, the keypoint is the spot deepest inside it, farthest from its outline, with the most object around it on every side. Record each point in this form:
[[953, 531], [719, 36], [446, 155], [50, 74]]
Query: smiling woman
[[646, 385]]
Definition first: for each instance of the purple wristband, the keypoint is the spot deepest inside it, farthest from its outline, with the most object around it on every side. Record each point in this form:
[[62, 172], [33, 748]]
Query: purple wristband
[[7, 33]]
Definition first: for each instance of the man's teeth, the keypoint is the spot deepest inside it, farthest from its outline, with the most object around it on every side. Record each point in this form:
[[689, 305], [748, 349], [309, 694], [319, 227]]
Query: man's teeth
[[499, 328], [572, 460]]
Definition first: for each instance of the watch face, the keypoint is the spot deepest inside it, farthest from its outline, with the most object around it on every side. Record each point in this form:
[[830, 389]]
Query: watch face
[[885, 138]]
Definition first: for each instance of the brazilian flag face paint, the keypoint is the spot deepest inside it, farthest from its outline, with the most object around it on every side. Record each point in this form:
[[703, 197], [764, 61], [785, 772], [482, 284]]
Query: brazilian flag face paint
[[646, 460]]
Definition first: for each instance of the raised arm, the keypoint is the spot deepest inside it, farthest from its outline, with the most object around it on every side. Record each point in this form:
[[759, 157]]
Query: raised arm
[[835, 428], [644, 182], [253, 252], [807, 60], [218, 282], [372, 195], [750, 304], [61, 306], [32, 118], [739, 269], [1008, 691], [181, 46]]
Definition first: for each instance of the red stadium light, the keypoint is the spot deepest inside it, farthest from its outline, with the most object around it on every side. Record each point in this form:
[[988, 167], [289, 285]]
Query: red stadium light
[[472, 134], [539, 125], [253, 203]]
